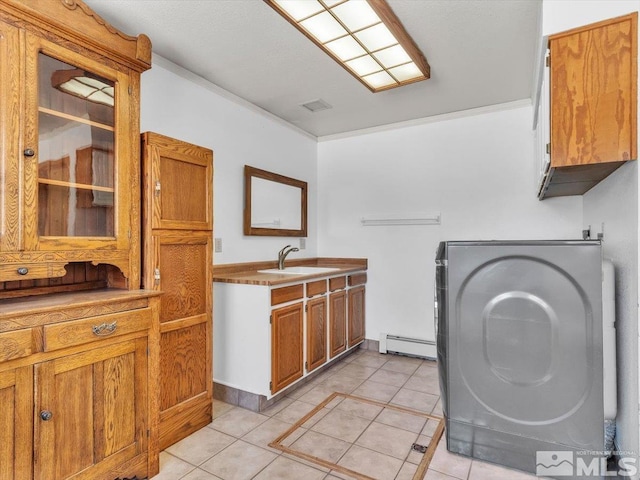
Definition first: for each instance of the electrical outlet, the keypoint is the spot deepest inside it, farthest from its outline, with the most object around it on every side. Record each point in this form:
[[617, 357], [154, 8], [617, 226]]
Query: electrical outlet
[[217, 242], [303, 243]]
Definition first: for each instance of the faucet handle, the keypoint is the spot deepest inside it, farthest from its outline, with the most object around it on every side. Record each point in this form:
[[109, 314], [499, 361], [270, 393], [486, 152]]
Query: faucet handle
[[282, 251]]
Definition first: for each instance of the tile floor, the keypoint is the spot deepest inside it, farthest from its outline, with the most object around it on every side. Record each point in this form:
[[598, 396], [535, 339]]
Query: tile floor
[[234, 445]]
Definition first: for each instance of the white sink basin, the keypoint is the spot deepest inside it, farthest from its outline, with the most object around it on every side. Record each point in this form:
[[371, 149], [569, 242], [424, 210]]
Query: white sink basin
[[300, 270]]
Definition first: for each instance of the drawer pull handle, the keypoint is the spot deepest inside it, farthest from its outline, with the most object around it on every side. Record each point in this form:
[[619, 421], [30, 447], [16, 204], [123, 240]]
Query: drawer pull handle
[[104, 329], [23, 271], [46, 415]]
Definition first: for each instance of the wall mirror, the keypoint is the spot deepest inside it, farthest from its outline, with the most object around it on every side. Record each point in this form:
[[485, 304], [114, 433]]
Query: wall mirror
[[274, 205]]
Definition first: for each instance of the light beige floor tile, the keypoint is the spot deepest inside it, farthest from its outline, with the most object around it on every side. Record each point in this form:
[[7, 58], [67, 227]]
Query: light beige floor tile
[[376, 391], [343, 476], [294, 412], [427, 370], [404, 365], [321, 446], [433, 475], [359, 409], [449, 463], [286, 469], [423, 384], [172, 467], [267, 432], [430, 429], [299, 391], [407, 471], [305, 462], [406, 421], [358, 371], [389, 377], [288, 441], [238, 422], [198, 474], [373, 464], [342, 384], [276, 407], [319, 415], [240, 461], [371, 361], [488, 471], [200, 445], [220, 408], [341, 425], [317, 394], [437, 410], [415, 400], [388, 440]]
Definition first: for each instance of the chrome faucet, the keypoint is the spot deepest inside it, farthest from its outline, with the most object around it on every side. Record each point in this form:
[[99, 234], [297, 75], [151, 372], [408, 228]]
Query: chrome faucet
[[282, 254]]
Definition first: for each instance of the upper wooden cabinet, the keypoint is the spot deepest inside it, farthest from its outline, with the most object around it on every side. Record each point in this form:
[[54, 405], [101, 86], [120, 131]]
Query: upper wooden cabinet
[[180, 176], [593, 104], [69, 122]]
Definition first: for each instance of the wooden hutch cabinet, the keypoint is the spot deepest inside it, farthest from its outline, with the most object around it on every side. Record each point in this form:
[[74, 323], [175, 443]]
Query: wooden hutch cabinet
[[77, 338]]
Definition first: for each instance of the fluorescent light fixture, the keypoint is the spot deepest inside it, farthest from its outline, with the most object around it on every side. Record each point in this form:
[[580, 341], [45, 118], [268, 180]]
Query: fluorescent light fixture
[[84, 85], [364, 36], [401, 219]]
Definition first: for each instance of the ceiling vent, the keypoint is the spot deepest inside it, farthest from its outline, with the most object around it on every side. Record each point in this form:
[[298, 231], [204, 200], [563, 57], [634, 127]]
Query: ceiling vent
[[316, 105]]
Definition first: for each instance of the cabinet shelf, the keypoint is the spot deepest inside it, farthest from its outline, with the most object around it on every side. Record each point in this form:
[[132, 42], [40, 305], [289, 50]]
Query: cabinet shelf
[[67, 116], [81, 186]]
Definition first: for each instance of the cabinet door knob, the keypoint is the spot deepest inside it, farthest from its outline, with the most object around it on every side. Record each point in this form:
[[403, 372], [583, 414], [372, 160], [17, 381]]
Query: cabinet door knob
[[23, 271], [29, 152], [46, 415]]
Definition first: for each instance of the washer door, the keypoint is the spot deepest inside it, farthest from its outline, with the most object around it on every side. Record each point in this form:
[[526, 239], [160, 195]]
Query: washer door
[[527, 342]]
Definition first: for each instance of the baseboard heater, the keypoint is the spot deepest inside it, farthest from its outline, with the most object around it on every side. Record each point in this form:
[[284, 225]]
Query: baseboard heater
[[414, 347]]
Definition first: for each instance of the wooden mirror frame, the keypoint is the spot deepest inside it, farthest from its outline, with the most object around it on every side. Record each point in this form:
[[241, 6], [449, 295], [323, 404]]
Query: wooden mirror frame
[[251, 172]]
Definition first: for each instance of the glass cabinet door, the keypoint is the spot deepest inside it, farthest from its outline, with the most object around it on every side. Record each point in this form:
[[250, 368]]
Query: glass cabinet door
[[75, 151], [71, 151]]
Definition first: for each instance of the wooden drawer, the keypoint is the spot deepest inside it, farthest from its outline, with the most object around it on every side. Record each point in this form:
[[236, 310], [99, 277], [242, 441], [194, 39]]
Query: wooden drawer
[[357, 279], [286, 294], [18, 344], [31, 271], [316, 288], [68, 334], [337, 283]]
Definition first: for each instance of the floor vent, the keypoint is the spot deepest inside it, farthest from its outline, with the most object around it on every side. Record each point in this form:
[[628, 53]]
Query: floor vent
[[413, 347]]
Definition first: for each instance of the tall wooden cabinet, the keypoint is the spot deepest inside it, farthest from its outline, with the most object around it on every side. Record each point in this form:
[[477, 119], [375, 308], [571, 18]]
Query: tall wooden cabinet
[[178, 224], [592, 106], [77, 348]]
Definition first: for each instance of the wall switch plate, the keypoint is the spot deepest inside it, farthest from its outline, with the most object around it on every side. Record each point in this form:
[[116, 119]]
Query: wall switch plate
[[217, 245], [303, 243]]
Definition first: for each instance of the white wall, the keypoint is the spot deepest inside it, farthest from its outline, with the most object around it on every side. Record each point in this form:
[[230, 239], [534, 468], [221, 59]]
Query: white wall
[[179, 104], [613, 202], [477, 171]]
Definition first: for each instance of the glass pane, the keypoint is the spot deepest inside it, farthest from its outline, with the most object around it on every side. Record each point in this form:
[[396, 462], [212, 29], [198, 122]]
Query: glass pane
[[356, 14], [76, 160]]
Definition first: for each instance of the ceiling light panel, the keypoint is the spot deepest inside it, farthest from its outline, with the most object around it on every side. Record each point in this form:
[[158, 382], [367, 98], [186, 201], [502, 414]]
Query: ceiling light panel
[[355, 14], [364, 36]]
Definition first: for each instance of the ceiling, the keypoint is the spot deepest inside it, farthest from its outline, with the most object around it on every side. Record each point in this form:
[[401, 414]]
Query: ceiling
[[481, 53]]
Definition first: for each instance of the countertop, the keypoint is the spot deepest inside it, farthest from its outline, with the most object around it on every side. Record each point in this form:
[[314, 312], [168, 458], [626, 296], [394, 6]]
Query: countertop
[[247, 273]]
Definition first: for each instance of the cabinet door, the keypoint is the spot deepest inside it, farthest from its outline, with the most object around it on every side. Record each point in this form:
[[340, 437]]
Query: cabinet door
[[178, 184], [186, 385], [337, 323], [90, 412], [78, 179], [593, 93], [286, 346], [316, 333], [16, 424], [356, 315]]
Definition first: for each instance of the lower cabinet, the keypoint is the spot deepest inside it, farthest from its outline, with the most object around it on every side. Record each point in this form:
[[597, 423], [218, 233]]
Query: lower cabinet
[[91, 411], [316, 333], [356, 315], [337, 323], [286, 345], [77, 404]]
